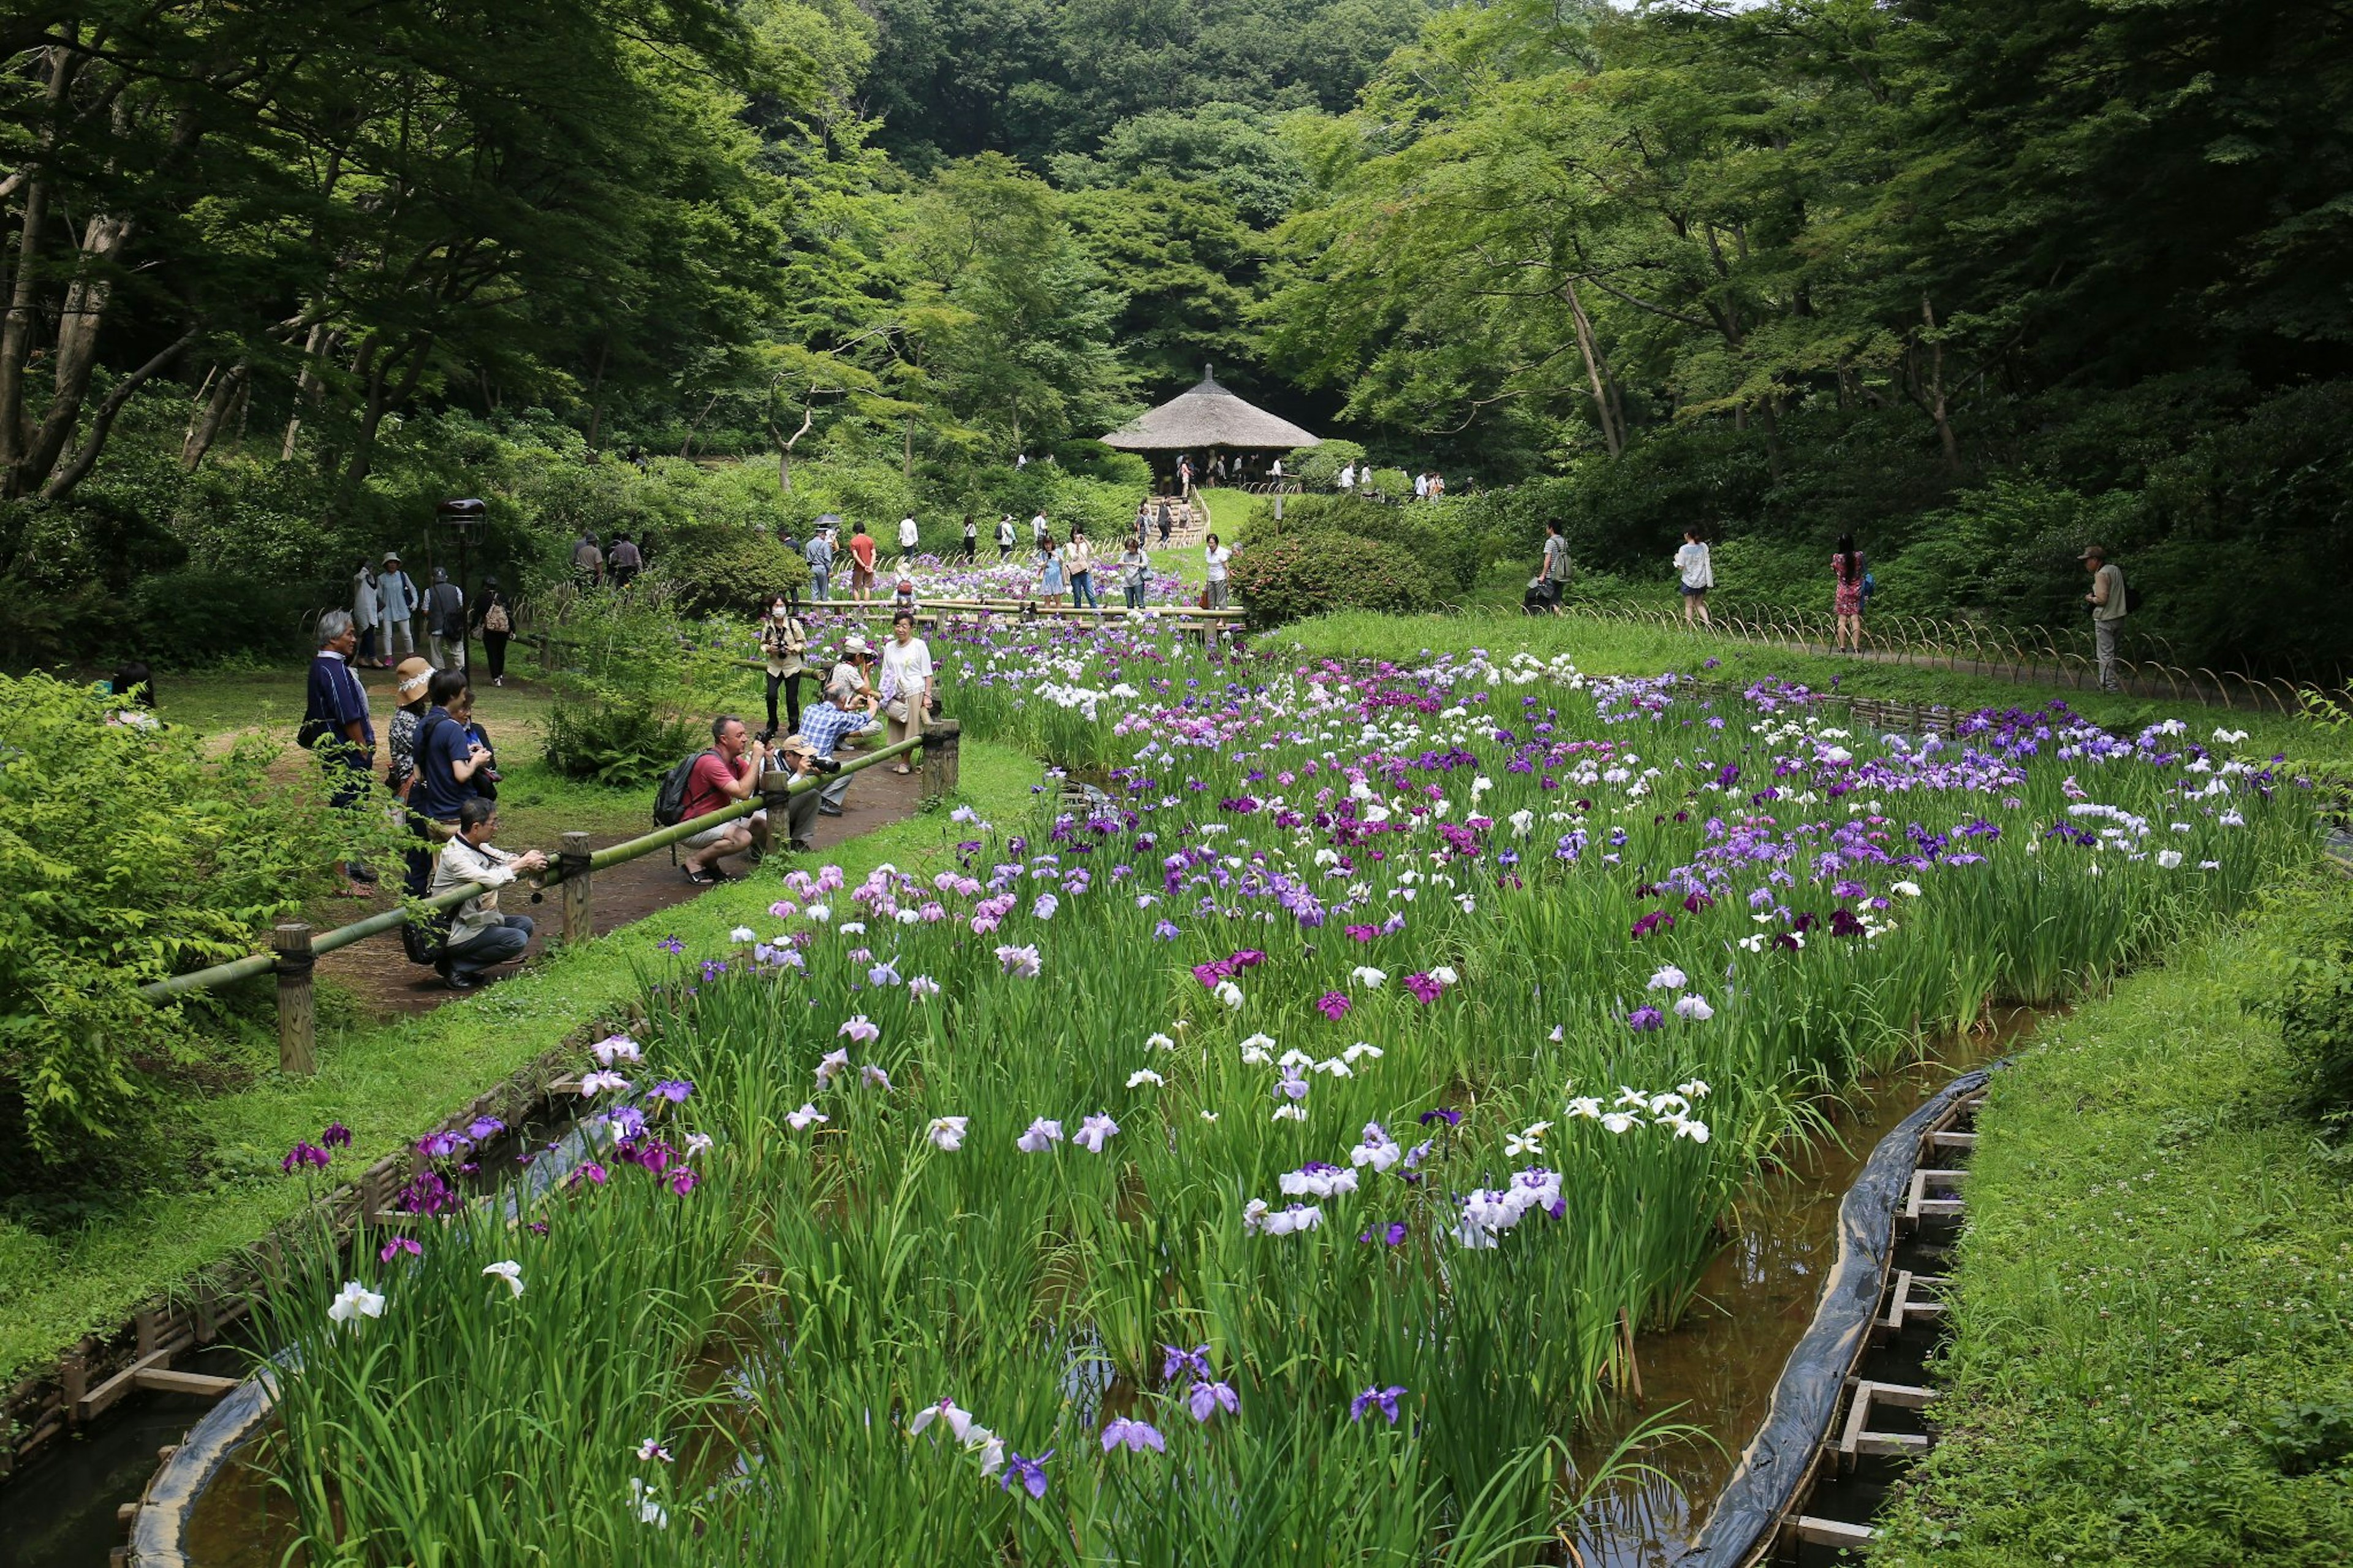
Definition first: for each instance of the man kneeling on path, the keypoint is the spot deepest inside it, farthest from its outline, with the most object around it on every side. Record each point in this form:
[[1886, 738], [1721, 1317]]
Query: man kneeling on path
[[845, 711], [722, 776], [479, 936], [800, 759]]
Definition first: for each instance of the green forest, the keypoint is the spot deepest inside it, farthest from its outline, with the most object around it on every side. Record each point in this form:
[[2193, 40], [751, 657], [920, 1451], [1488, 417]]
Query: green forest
[[1977, 282]]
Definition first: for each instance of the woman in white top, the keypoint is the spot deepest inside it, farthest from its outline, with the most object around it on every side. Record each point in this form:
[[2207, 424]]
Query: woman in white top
[[365, 613], [1698, 577], [907, 687], [1216, 555]]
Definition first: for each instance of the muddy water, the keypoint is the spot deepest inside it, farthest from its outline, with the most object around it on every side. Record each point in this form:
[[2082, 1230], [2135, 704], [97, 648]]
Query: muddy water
[[1720, 1364]]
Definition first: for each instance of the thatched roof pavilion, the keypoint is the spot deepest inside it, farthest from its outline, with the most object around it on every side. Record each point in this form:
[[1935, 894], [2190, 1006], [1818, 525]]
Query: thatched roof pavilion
[[1208, 416]]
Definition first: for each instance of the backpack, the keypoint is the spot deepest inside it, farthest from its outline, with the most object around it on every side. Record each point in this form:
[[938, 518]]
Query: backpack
[[426, 938], [494, 619], [670, 801]]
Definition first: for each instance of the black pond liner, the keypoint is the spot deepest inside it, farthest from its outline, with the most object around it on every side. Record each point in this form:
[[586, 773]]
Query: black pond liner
[[1779, 1459], [1741, 1525]]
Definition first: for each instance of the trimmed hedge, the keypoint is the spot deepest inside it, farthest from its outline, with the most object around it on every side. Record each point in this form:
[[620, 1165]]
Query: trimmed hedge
[[1447, 547], [1293, 575]]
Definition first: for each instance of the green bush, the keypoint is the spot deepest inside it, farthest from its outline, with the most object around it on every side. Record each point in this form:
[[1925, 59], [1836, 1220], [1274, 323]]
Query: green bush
[[1293, 575], [1448, 544], [727, 572], [2315, 1009], [127, 854], [197, 616], [1320, 468], [622, 745]]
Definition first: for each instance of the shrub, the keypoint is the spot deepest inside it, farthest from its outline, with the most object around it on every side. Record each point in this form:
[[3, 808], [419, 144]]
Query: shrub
[[1449, 546], [623, 745], [1320, 470], [1293, 575], [198, 616], [727, 571], [126, 855]]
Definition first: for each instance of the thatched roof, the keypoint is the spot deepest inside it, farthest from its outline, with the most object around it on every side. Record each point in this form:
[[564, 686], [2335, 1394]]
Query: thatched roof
[[1208, 416]]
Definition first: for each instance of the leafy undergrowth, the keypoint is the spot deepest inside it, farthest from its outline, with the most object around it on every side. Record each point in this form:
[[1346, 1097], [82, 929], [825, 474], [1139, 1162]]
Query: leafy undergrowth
[[390, 1084], [1608, 648], [2153, 1350]]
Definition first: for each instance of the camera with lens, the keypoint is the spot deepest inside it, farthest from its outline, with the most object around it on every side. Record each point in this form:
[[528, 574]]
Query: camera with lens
[[824, 765]]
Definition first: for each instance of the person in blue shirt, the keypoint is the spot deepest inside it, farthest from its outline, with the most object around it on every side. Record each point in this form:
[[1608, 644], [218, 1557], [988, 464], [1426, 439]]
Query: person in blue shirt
[[845, 711], [448, 755], [338, 727]]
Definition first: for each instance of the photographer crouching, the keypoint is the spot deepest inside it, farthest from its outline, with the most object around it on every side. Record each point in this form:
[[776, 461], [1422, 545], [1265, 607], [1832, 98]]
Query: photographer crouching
[[799, 758]]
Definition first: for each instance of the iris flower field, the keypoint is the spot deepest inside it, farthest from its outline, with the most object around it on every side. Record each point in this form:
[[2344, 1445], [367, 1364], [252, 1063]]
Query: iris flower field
[[1270, 1160]]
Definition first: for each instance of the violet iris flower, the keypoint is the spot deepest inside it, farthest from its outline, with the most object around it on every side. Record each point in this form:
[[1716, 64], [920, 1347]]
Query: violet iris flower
[[1451, 1117], [1386, 1399], [481, 1127], [1207, 1396], [1174, 1360], [1030, 1473], [1333, 1005], [395, 1246], [438, 1145], [673, 1090], [337, 1136], [1642, 1020], [304, 1153], [1137, 1436]]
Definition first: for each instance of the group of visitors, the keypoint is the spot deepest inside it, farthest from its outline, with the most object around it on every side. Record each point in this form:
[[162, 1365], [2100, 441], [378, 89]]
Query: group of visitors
[[386, 610], [826, 550], [596, 567]]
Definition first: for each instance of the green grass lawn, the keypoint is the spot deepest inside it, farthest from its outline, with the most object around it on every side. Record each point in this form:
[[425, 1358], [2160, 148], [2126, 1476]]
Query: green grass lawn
[[2158, 1268], [392, 1083]]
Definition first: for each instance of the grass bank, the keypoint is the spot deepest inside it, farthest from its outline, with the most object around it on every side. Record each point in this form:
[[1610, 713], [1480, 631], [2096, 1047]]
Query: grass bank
[[2152, 1359], [390, 1084], [1611, 648]]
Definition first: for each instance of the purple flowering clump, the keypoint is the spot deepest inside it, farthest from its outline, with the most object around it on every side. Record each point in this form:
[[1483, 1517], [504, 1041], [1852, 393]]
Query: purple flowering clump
[[1135, 1436], [483, 1127], [1207, 1396], [1656, 921], [1425, 989], [673, 1090], [1333, 1005], [1642, 1020], [1390, 1235]]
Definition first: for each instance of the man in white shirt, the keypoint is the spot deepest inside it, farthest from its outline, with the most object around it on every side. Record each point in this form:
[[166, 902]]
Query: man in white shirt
[[908, 687], [907, 537], [1216, 556], [479, 936], [1004, 536], [1037, 531]]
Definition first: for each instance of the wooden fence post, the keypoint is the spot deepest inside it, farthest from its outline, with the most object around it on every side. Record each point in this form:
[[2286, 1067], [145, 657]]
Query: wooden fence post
[[579, 924], [941, 738], [296, 1047]]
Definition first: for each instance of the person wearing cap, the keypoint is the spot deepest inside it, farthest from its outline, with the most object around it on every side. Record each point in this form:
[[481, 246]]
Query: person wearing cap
[[589, 562], [845, 711], [799, 759], [366, 614], [624, 562], [444, 621], [854, 667], [396, 599], [2108, 606], [494, 618], [819, 551]]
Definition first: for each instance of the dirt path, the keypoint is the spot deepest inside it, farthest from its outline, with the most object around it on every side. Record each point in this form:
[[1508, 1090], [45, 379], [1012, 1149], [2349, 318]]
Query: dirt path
[[378, 971]]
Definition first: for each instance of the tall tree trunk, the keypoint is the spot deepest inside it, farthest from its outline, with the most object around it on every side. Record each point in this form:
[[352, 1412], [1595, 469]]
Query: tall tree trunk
[[1937, 388], [16, 329], [227, 394], [415, 351], [308, 384], [785, 447], [1590, 346], [907, 450]]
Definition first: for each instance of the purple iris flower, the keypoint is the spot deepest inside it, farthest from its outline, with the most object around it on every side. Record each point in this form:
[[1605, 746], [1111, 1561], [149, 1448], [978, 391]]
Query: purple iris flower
[[1451, 1117], [1137, 1435], [1207, 1397], [671, 945], [1333, 1005], [1642, 1020], [395, 1246], [337, 1136], [1174, 1359], [304, 1153], [1390, 1235], [482, 1127], [1385, 1398], [673, 1090], [1165, 930], [440, 1145], [1030, 1473]]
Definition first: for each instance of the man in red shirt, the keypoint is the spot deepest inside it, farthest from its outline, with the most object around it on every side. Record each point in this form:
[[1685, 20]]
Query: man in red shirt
[[861, 562], [722, 776]]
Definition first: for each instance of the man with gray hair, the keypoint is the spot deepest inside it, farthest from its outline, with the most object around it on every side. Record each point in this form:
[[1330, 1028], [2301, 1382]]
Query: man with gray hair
[[479, 935], [444, 621], [338, 727], [846, 711]]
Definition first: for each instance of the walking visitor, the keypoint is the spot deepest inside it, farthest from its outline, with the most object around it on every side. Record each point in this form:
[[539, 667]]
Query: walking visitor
[[479, 937], [1848, 582], [1168, 523], [1553, 572], [861, 562], [1216, 554], [819, 554], [624, 562], [729, 772], [495, 618], [1053, 578], [444, 621], [909, 689], [1136, 569], [1038, 531], [339, 729], [784, 640], [1080, 558], [1698, 577], [971, 539], [908, 537], [589, 562], [1004, 536], [367, 614], [2108, 607], [396, 598]]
